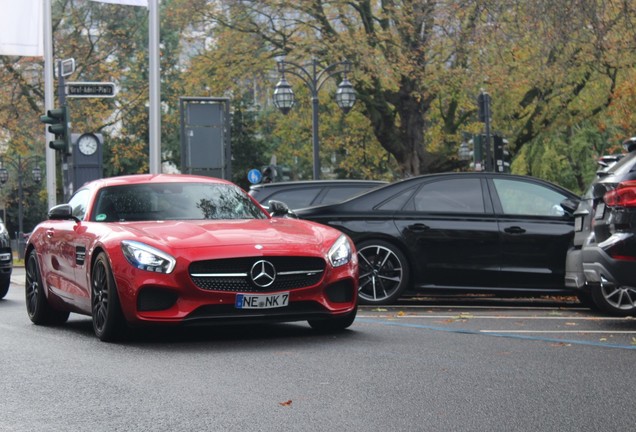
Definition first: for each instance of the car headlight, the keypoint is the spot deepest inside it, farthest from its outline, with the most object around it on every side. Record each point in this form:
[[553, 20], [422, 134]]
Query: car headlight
[[147, 258], [340, 253]]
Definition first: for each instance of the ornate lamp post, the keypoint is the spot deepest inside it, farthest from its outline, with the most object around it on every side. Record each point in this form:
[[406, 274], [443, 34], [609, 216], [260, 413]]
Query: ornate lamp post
[[314, 79], [20, 165]]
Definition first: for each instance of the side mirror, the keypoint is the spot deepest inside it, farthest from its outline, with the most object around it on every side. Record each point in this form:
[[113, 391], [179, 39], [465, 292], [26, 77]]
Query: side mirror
[[280, 209], [569, 205], [62, 212]]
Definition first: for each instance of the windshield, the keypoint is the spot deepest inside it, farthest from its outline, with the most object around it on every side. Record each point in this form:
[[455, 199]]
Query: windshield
[[173, 201]]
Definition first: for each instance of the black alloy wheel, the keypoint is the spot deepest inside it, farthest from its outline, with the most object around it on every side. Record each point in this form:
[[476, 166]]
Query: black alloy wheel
[[384, 272], [108, 320], [615, 300], [38, 308], [334, 324]]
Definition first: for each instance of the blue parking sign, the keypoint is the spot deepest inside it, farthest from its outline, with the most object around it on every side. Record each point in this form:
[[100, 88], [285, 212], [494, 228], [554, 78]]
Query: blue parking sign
[[254, 176]]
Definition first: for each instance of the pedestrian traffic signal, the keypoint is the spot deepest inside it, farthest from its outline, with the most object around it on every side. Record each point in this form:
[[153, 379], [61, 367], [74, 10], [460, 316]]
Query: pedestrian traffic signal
[[59, 121], [502, 155]]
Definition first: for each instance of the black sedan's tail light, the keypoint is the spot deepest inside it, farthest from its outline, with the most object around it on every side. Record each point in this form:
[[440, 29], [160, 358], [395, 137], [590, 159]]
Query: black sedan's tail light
[[622, 251], [623, 196]]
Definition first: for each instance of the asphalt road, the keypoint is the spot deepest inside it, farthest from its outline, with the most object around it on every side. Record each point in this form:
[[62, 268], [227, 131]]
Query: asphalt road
[[428, 364]]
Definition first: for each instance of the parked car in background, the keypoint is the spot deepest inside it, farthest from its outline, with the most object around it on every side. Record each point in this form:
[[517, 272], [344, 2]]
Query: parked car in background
[[179, 249], [466, 232], [6, 260], [300, 194], [602, 261]]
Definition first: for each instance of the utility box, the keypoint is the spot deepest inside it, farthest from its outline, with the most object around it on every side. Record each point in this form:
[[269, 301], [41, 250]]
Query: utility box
[[205, 136]]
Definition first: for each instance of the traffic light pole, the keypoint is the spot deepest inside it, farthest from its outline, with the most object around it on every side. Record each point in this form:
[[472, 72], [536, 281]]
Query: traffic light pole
[[51, 177], [61, 97], [483, 102]]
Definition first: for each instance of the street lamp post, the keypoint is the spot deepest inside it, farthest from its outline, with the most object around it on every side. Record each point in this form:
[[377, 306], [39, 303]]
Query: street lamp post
[[314, 79], [20, 164]]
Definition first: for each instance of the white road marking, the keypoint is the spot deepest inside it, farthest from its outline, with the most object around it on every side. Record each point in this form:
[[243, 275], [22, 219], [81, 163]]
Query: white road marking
[[560, 331], [496, 317]]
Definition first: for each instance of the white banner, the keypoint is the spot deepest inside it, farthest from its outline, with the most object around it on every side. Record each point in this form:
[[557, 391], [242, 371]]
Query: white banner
[[21, 28], [126, 2]]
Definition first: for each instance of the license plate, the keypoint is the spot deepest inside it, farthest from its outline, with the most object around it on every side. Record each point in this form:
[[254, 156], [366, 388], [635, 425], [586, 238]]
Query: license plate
[[600, 211], [269, 301], [578, 224]]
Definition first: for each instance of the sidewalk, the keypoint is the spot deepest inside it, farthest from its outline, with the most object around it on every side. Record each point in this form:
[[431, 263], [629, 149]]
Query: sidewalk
[[17, 275]]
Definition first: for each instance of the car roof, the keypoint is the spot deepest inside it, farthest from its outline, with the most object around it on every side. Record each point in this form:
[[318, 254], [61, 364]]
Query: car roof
[[152, 178], [303, 183]]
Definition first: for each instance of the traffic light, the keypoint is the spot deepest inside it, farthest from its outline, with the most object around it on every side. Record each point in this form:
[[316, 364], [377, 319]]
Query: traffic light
[[502, 156], [269, 174], [59, 121]]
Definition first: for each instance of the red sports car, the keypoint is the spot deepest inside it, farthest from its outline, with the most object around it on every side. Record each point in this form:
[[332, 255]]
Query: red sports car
[[182, 249]]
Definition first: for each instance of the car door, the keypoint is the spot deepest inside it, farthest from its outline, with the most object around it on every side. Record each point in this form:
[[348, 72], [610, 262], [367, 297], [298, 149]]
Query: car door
[[535, 233], [64, 255], [452, 233]]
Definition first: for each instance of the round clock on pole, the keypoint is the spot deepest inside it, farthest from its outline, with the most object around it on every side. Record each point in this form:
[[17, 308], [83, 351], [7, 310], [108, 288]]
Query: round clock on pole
[[87, 144]]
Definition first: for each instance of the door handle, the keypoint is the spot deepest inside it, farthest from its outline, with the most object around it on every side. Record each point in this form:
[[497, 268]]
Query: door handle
[[514, 230], [49, 233], [419, 227]]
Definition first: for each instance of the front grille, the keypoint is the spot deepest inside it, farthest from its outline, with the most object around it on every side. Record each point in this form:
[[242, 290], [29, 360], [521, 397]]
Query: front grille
[[233, 274]]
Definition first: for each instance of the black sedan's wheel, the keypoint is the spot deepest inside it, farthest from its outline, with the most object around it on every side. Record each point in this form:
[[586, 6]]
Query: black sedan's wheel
[[585, 298], [38, 308], [384, 272], [4, 287], [334, 324], [108, 320], [615, 300]]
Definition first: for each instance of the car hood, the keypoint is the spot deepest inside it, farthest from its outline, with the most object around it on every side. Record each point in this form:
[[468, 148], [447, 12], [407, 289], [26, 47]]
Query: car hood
[[227, 233]]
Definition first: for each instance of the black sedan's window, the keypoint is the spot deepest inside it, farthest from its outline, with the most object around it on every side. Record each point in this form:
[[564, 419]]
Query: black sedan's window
[[296, 198], [450, 196], [174, 201], [525, 198]]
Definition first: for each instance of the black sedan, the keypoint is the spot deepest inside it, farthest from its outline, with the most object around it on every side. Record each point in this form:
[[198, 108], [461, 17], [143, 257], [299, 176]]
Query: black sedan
[[6, 260], [467, 232]]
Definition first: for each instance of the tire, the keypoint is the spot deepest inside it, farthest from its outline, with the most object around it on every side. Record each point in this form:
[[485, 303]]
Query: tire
[[38, 308], [108, 320], [334, 324], [586, 300], [614, 300], [4, 287], [384, 272]]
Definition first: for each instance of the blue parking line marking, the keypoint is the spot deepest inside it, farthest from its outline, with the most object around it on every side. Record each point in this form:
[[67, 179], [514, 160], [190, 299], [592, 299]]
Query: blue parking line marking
[[503, 335]]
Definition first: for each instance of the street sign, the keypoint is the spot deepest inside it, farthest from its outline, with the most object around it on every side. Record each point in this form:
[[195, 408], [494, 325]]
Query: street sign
[[254, 176], [65, 67], [90, 89]]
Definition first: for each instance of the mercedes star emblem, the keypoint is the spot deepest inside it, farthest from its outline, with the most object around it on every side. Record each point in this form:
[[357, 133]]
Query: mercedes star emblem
[[263, 273]]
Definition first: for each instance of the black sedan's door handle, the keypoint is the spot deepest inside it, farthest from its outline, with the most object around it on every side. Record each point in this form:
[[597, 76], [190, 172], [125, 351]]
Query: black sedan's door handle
[[514, 230], [418, 227]]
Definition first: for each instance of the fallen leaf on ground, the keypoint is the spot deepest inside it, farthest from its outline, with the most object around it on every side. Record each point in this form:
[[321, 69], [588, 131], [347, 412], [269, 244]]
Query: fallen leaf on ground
[[287, 403]]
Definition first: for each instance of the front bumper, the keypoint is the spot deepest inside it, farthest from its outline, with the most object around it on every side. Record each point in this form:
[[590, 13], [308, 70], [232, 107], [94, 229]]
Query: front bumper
[[176, 299], [6, 262]]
